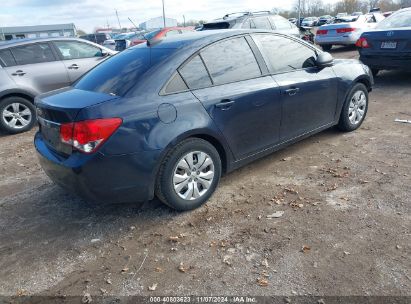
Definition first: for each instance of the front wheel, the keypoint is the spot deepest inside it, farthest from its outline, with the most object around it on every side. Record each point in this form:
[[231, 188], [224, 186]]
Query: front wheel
[[189, 175], [17, 115], [354, 109]]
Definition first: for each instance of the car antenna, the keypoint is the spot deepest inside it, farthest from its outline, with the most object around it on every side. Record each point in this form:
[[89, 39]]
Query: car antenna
[[135, 26]]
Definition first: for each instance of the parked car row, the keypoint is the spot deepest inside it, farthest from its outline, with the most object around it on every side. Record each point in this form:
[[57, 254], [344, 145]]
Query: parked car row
[[29, 67]]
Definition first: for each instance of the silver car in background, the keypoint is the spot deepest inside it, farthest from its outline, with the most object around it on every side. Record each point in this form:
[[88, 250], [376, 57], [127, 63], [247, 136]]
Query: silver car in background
[[29, 67], [345, 30]]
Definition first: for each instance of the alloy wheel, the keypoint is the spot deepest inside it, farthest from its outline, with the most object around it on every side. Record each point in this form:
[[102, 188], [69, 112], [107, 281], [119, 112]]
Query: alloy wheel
[[17, 115], [357, 107]]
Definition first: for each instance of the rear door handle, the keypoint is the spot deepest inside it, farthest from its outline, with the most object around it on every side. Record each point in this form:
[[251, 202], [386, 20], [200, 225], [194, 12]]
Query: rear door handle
[[292, 91], [18, 73], [73, 67], [225, 104]]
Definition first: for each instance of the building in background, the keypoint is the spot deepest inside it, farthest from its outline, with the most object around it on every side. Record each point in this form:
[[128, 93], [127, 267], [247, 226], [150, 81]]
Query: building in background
[[38, 31], [157, 23]]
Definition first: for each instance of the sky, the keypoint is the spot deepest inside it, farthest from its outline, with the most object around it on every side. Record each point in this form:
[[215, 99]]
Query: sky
[[89, 14]]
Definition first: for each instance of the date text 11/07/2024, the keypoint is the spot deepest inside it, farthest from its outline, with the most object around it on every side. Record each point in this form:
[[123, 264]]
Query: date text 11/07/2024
[[203, 299]]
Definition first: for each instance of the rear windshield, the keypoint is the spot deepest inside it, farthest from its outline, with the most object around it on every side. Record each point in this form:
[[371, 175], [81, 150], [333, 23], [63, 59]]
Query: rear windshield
[[117, 75], [402, 19], [216, 26]]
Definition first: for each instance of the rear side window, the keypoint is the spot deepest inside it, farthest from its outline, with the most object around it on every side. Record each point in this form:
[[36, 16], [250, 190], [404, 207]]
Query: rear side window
[[195, 74], [33, 53], [261, 23], [118, 74], [7, 58], [77, 50], [401, 19], [285, 55], [175, 85], [216, 26], [230, 60]]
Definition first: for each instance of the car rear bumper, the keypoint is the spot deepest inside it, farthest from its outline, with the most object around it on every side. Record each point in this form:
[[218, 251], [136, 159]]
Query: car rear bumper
[[379, 61], [100, 178], [339, 40]]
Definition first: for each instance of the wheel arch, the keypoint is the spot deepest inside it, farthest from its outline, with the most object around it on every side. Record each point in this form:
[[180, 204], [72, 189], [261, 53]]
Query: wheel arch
[[18, 93]]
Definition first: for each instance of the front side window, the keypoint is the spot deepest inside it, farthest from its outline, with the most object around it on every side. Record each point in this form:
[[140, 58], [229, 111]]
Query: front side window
[[195, 74], [33, 53], [261, 23], [230, 60], [284, 54], [77, 50]]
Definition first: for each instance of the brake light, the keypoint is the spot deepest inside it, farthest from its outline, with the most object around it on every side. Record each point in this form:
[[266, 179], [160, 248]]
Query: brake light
[[322, 32], [362, 43], [86, 136], [345, 30]]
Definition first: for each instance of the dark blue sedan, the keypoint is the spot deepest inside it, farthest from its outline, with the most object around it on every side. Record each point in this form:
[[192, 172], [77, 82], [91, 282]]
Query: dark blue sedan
[[169, 117], [389, 45]]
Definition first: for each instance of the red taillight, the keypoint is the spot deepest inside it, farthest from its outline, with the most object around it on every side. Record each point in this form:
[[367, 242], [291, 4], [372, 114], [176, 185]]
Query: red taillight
[[86, 136], [322, 32], [345, 30], [362, 43]]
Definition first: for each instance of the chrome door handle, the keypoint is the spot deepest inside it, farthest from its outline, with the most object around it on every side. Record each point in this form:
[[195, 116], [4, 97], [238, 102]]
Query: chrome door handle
[[18, 73], [292, 91], [73, 67], [225, 104]]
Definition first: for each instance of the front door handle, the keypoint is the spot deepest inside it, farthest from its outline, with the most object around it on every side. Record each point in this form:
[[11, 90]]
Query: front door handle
[[18, 73], [292, 91], [225, 104], [73, 67]]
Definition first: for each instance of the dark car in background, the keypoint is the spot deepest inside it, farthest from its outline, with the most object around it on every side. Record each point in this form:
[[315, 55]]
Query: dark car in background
[[389, 45], [169, 118], [264, 20], [29, 67], [98, 38]]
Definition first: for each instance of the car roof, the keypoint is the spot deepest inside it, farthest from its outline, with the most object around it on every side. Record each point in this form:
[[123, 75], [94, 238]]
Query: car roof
[[201, 38], [17, 42]]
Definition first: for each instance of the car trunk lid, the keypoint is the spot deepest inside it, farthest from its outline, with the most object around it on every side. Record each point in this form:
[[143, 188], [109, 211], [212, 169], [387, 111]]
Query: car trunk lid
[[391, 40], [55, 109]]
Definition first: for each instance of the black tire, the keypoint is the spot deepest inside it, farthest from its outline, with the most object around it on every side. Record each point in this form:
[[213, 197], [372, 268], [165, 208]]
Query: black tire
[[164, 184], [326, 47], [345, 124], [375, 72], [6, 104]]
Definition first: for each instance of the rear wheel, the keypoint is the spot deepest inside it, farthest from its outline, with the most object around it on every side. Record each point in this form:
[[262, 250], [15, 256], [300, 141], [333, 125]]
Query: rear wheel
[[327, 47], [17, 114], [354, 109], [189, 175]]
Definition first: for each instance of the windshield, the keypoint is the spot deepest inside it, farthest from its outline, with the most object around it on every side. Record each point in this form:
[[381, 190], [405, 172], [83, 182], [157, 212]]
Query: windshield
[[151, 35], [402, 19]]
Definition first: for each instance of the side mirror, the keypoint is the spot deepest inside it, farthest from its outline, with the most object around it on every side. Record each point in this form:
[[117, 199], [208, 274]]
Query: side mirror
[[324, 60], [104, 53]]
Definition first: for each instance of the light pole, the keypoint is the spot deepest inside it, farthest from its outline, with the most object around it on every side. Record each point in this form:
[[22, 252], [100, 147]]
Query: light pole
[[164, 15], [184, 17], [299, 13]]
